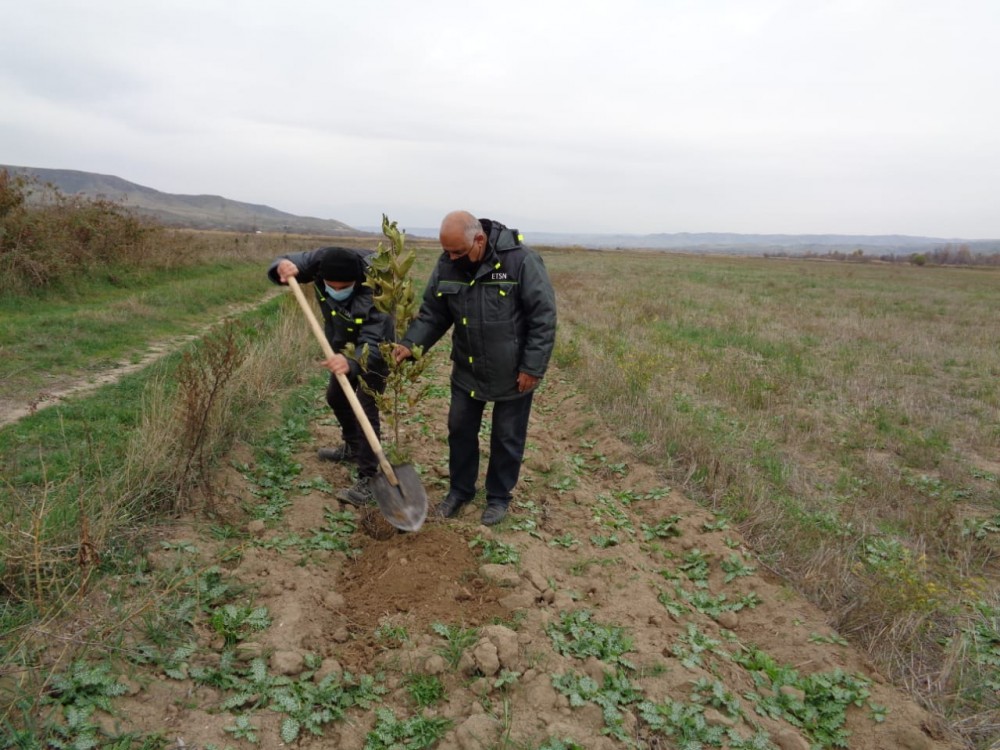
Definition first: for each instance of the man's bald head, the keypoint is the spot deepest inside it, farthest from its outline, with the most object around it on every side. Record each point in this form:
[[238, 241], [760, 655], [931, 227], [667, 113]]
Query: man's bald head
[[462, 234]]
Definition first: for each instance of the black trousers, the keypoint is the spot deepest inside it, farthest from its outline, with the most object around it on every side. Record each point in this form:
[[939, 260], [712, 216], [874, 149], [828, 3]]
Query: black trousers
[[509, 430], [354, 436]]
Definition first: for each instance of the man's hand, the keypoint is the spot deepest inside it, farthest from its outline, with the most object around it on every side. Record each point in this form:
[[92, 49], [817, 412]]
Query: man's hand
[[400, 352], [337, 364], [286, 270], [526, 382]]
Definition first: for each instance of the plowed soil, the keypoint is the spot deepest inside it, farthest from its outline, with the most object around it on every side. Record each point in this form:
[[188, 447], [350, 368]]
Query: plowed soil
[[596, 532]]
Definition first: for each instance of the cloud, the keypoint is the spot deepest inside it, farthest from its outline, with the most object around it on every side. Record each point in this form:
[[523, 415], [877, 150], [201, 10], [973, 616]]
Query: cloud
[[673, 115]]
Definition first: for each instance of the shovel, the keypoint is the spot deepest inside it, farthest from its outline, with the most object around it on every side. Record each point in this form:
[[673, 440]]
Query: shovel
[[397, 490]]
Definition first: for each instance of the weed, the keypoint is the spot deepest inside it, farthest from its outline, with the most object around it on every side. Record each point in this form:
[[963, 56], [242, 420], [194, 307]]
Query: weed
[[386, 632], [614, 694], [495, 551], [560, 744], [734, 567], [696, 565], [566, 541], [833, 638], [665, 528], [609, 513], [815, 703], [424, 689], [457, 640], [235, 623], [577, 635], [603, 542], [243, 729], [691, 647], [334, 536], [415, 733]]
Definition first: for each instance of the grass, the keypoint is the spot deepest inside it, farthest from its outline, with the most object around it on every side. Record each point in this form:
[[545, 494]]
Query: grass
[[842, 416], [819, 407]]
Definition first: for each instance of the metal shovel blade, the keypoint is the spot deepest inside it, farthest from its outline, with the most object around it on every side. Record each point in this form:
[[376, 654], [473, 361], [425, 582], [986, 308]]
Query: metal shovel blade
[[405, 506]]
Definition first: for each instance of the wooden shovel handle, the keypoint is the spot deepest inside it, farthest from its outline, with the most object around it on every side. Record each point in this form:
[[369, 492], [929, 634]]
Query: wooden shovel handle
[[352, 397]]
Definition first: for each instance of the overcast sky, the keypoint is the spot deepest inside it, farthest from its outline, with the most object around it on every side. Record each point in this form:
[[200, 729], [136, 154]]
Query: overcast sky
[[755, 116]]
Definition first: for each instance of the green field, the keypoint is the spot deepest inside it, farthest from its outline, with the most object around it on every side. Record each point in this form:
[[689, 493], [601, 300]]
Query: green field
[[845, 416]]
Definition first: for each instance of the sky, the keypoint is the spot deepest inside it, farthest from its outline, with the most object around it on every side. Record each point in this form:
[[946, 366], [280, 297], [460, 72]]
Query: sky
[[603, 116]]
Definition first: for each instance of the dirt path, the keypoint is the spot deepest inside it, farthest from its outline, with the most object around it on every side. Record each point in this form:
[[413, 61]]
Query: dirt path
[[13, 408], [630, 618]]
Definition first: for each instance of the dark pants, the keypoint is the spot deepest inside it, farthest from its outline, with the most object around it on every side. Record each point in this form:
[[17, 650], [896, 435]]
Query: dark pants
[[354, 436], [507, 437]]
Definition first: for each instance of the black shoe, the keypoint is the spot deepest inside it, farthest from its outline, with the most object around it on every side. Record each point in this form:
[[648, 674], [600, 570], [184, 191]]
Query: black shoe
[[449, 507], [493, 514], [343, 453], [360, 494]]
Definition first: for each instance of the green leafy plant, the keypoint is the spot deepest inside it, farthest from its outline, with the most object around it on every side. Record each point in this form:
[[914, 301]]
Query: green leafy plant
[[495, 551], [691, 647], [424, 689], [78, 692], [816, 703], [243, 729], [457, 639], [577, 635], [414, 733], [566, 541], [390, 633], [334, 536], [235, 623], [734, 567], [610, 514], [665, 528], [696, 565], [613, 695]]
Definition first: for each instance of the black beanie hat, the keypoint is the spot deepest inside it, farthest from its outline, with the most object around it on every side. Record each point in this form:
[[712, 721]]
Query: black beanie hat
[[340, 264]]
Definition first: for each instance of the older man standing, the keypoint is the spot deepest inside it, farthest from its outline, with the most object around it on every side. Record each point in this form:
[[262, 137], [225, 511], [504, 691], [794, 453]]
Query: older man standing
[[496, 294]]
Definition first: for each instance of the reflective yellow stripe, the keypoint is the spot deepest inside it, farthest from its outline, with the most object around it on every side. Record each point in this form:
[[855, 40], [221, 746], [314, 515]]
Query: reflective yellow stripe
[[497, 266], [465, 321], [472, 283], [359, 321], [472, 394], [470, 360], [440, 294], [503, 293]]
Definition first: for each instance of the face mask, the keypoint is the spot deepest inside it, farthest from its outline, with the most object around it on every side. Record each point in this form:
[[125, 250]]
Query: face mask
[[340, 295], [465, 265]]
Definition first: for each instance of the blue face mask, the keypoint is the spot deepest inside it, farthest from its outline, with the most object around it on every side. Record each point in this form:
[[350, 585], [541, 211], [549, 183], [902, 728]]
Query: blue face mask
[[340, 295]]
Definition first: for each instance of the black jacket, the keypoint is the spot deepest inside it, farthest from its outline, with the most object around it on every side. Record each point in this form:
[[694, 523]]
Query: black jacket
[[504, 316], [355, 321]]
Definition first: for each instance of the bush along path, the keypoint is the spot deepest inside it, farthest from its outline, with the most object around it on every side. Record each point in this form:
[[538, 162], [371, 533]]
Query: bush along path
[[607, 611]]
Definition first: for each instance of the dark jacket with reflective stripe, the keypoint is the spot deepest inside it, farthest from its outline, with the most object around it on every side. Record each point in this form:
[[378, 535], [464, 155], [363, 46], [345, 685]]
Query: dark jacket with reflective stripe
[[504, 316], [355, 321]]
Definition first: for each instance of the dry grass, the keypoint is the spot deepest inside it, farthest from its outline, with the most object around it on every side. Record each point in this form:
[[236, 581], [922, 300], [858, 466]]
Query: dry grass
[[188, 423], [845, 415]]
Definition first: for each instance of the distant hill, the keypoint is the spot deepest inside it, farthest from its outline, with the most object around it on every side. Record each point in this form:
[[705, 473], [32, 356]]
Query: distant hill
[[744, 244], [192, 211], [216, 212]]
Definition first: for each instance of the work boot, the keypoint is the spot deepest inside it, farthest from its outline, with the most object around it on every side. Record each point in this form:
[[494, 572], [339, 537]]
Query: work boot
[[449, 507], [493, 514], [343, 453], [359, 494]]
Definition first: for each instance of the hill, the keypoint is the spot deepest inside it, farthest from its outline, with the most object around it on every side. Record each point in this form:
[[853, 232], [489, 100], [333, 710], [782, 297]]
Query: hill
[[192, 211], [746, 244], [217, 212]]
